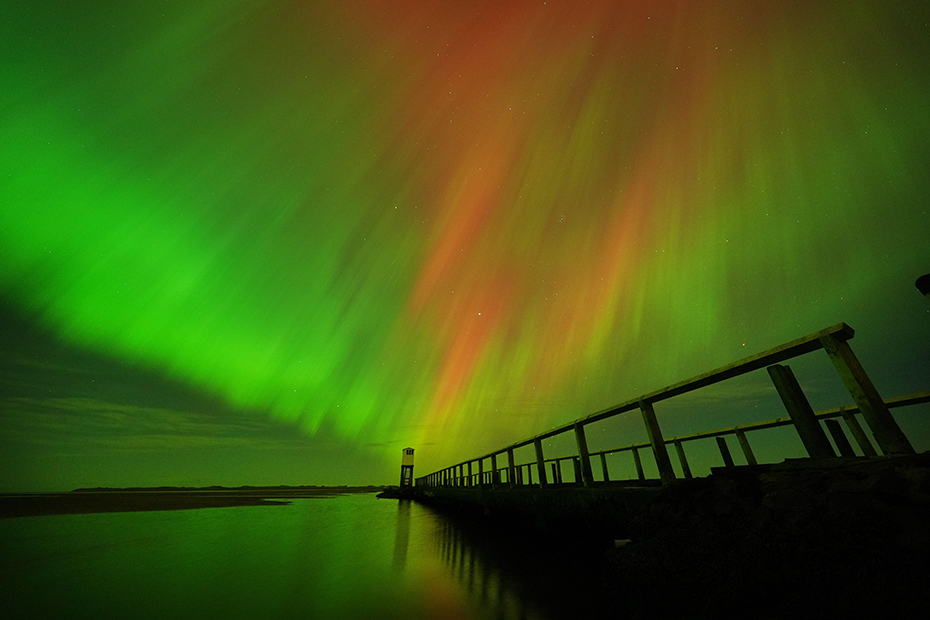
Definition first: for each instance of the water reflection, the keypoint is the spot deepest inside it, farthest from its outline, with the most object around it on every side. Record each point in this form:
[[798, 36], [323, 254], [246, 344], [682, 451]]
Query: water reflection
[[341, 558], [402, 535], [511, 572]]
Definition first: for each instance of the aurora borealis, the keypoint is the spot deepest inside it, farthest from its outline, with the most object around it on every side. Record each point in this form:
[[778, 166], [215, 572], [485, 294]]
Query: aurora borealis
[[253, 242]]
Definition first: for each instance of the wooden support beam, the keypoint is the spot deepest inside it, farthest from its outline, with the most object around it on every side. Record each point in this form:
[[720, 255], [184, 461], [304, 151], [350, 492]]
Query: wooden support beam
[[666, 473], [839, 438], [511, 476], [639, 464], [481, 472], [747, 449], [556, 473], [471, 480], [587, 476], [540, 462], [604, 467], [891, 439], [494, 474], [685, 469], [806, 423], [725, 451], [858, 434]]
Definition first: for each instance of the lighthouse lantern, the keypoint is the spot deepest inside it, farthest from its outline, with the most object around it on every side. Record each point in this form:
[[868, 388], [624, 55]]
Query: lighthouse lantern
[[406, 468]]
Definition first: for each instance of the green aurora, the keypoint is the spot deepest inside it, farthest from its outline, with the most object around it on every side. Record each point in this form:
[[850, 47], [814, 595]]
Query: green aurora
[[260, 243]]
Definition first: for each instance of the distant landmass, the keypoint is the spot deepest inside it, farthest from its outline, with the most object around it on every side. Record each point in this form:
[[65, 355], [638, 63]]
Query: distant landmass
[[133, 499], [281, 487]]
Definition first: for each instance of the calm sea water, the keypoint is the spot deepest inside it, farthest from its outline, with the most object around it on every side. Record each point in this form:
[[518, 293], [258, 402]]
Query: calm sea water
[[349, 556]]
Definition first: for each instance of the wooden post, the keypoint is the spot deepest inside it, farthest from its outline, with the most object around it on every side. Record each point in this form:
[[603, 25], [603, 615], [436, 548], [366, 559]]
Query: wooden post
[[604, 467], [724, 451], [858, 434], [891, 439], [807, 425], [639, 464], [481, 472], [683, 459], [494, 475], [556, 473], [529, 474], [839, 438], [578, 477], [540, 462], [747, 449], [587, 476], [666, 473], [511, 476], [470, 479]]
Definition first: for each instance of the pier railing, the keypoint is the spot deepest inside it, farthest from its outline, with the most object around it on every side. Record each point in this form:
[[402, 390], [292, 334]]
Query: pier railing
[[499, 467]]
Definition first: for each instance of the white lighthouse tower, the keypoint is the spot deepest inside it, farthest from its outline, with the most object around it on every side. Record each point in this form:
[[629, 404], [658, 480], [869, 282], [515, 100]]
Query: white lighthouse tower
[[406, 468]]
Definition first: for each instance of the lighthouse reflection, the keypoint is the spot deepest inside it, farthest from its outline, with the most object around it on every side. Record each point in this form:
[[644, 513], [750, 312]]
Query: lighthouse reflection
[[402, 535], [514, 574]]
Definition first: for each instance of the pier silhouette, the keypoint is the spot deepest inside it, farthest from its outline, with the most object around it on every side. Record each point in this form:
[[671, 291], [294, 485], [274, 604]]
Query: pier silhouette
[[561, 485], [850, 516]]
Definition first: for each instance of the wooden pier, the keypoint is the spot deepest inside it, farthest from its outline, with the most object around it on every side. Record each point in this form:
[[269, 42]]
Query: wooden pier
[[498, 471], [850, 517]]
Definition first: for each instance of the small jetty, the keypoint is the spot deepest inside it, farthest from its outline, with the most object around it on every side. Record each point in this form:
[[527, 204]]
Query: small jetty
[[843, 531]]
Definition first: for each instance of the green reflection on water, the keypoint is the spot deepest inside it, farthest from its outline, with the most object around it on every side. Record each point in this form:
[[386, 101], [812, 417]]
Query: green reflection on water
[[342, 557], [332, 558]]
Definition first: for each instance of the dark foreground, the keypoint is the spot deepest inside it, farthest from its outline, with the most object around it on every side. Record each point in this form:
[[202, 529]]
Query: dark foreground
[[834, 538], [85, 501]]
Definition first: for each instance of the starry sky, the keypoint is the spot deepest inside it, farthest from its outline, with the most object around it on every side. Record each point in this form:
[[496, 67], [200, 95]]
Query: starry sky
[[255, 242]]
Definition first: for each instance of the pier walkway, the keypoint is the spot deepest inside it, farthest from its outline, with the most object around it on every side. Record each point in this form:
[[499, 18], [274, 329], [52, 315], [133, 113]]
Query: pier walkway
[[567, 483]]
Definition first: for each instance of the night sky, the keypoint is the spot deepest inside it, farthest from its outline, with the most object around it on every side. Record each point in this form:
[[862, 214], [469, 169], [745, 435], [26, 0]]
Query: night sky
[[254, 242]]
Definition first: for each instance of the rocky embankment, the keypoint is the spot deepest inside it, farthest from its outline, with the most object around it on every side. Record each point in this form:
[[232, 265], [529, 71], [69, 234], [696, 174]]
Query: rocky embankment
[[846, 537]]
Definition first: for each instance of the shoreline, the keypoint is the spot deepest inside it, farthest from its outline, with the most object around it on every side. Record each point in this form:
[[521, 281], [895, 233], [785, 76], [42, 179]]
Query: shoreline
[[90, 501]]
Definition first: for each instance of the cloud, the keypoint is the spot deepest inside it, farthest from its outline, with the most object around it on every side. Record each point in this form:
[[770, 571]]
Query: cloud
[[95, 423]]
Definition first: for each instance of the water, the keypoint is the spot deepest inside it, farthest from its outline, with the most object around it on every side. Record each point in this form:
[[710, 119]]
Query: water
[[347, 556]]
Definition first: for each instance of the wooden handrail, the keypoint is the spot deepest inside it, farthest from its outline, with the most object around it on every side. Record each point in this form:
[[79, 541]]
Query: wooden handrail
[[834, 336]]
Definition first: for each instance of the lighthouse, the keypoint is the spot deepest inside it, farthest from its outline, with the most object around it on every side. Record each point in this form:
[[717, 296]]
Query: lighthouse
[[406, 468]]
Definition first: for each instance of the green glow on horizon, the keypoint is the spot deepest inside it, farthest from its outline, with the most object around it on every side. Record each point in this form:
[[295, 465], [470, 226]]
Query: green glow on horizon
[[397, 222]]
